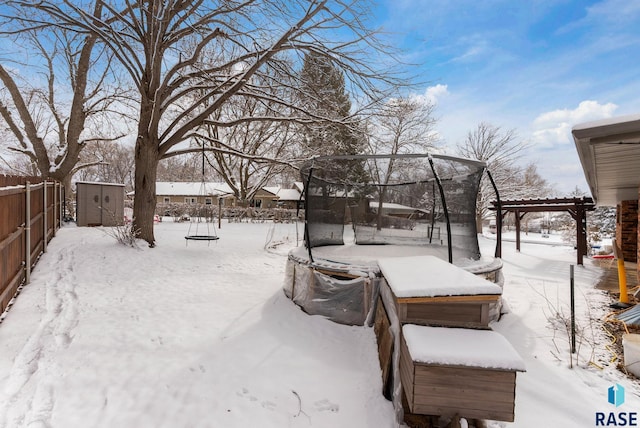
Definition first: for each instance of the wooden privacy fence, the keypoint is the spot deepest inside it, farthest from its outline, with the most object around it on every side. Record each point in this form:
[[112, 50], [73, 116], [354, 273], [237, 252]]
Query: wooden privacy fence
[[30, 213]]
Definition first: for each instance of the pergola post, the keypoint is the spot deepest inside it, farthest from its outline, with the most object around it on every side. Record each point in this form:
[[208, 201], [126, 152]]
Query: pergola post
[[581, 233], [499, 220]]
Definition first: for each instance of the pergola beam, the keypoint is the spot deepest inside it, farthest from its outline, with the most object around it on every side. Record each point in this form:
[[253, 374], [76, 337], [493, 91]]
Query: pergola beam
[[576, 207]]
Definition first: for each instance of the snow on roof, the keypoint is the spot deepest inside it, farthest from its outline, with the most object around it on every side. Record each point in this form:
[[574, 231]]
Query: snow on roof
[[461, 347], [389, 206], [101, 183], [191, 188], [607, 122], [282, 193], [272, 189], [288, 195], [429, 276]]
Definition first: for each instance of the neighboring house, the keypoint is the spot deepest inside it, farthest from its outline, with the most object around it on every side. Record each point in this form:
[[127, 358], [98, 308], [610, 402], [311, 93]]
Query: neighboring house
[[286, 198], [609, 151], [398, 210], [191, 192], [209, 193]]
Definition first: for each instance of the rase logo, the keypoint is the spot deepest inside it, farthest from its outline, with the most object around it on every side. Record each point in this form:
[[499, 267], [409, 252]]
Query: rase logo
[[615, 396]]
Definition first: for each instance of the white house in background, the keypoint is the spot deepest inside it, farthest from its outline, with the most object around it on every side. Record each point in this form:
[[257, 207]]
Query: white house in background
[[397, 210], [213, 193], [287, 197], [207, 193]]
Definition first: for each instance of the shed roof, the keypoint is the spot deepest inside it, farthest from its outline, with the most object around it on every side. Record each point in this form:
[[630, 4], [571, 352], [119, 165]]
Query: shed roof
[[100, 183], [609, 151]]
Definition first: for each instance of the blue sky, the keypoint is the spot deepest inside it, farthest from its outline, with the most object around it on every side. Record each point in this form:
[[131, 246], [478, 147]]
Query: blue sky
[[539, 67]]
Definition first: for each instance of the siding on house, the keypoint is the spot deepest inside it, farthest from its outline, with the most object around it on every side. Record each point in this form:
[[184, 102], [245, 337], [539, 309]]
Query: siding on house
[[211, 193]]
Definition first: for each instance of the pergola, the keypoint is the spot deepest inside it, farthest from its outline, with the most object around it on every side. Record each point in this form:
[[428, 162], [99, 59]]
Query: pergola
[[576, 207]]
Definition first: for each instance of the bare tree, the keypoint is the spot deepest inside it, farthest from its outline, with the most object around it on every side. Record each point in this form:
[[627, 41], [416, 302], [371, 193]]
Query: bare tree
[[161, 44], [258, 142], [47, 111], [112, 163], [533, 185], [404, 125], [186, 167], [500, 150]]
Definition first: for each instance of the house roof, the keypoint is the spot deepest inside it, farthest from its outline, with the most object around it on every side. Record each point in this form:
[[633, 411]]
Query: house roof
[[171, 188], [390, 207], [284, 194], [609, 151], [289, 195], [269, 189]]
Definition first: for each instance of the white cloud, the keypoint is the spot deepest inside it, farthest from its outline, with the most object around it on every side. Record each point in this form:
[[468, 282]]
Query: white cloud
[[552, 136], [614, 11], [554, 127], [433, 94]]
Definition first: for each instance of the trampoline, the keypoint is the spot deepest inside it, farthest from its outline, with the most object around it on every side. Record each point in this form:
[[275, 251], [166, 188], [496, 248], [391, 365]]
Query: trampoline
[[360, 208]]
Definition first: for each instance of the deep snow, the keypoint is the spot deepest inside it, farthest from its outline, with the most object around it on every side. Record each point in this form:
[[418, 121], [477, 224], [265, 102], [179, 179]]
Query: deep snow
[[203, 336]]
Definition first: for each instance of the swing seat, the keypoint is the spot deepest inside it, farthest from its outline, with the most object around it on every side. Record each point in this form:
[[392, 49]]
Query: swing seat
[[201, 237]]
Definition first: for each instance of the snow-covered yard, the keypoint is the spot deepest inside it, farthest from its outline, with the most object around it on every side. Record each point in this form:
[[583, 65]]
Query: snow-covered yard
[[202, 336]]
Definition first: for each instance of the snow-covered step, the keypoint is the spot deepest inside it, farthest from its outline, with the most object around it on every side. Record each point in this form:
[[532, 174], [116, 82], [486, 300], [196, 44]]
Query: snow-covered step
[[456, 371], [430, 291]]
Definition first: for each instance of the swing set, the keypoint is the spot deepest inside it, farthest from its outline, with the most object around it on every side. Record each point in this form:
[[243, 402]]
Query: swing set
[[203, 211]]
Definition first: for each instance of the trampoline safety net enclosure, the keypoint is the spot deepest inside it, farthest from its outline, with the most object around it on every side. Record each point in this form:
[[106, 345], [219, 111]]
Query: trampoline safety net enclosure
[[402, 200], [393, 205]]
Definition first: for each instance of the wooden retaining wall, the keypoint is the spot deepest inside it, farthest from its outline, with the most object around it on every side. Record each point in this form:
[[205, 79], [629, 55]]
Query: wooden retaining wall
[[30, 213]]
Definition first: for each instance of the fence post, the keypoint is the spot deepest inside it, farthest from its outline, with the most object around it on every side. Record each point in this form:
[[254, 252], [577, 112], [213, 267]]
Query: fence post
[[53, 209], [44, 218], [61, 199], [27, 274]]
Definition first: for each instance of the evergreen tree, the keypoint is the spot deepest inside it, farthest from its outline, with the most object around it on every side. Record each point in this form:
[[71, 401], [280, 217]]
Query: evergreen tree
[[333, 131]]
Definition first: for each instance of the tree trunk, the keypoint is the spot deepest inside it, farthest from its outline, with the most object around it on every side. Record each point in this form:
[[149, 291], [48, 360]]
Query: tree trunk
[[146, 168]]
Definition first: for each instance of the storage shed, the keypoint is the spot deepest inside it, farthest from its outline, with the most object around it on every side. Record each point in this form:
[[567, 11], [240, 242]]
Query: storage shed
[[99, 204]]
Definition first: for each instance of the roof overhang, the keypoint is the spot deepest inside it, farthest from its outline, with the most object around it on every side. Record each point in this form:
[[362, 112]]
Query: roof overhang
[[609, 151]]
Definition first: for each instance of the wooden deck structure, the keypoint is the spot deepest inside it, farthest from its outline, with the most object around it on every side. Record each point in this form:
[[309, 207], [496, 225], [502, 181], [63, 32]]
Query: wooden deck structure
[[451, 311], [609, 280], [434, 389]]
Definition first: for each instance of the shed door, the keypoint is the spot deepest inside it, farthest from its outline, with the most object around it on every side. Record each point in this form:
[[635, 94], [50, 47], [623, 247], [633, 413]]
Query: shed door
[[92, 198], [112, 205]]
